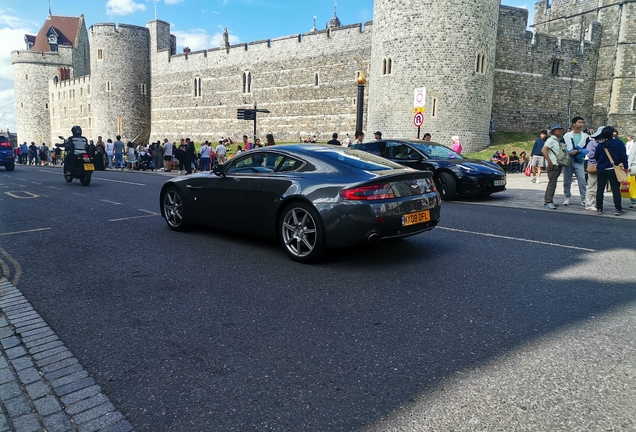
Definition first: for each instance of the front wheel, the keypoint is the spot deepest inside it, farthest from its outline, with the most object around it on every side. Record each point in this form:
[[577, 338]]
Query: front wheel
[[301, 233], [173, 210], [446, 185], [10, 167]]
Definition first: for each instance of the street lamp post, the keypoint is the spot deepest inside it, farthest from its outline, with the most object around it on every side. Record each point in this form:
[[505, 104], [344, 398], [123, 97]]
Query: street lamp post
[[361, 80]]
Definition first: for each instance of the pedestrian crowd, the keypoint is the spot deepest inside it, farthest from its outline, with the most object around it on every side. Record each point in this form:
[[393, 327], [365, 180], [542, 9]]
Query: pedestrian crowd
[[597, 158]]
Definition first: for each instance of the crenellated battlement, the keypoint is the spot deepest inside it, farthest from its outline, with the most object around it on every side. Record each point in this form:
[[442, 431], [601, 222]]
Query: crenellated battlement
[[123, 30]]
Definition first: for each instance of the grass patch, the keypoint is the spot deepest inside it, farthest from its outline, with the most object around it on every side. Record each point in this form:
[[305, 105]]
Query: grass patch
[[509, 141]]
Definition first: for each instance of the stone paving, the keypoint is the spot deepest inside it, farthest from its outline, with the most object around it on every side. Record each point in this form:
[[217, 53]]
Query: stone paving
[[42, 386]]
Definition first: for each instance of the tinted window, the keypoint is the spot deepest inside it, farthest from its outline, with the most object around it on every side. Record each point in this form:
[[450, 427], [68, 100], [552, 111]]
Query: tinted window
[[253, 163], [436, 151], [369, 147], [361, 160], [399, 150]]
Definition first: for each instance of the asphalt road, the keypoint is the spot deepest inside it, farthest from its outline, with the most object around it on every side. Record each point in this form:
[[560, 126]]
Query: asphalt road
[[499, 319]]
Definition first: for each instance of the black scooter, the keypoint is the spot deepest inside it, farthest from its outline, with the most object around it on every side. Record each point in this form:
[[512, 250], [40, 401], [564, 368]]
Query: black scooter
[[82, 167]]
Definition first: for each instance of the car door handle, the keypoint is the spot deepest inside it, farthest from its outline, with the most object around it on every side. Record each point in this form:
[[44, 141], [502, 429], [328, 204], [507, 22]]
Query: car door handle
[[193, 187]]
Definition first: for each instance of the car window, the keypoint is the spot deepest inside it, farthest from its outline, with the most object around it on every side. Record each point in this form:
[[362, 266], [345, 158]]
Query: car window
[[287, 164], [369, 147], [399, 150], [361, 160], [250, 164], [437, 151]]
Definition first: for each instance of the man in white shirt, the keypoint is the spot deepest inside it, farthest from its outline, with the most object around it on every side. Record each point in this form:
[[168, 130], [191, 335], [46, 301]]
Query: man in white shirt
[[629, 144], [110, 147], [220, 153], [167, 154], [576, 141]]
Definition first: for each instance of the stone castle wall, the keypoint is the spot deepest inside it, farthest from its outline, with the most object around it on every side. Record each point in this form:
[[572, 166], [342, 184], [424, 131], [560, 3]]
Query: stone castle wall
[[70, 103], [458, 97], [528, 94], [33, 71], [120, 81], [306, 81], [615, 81]]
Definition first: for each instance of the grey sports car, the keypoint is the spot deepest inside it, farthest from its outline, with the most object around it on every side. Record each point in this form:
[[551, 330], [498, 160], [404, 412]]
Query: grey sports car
[[309, 197]]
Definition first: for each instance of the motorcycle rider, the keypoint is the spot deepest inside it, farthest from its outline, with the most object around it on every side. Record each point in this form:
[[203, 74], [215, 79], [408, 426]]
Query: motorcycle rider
[[75, 145]]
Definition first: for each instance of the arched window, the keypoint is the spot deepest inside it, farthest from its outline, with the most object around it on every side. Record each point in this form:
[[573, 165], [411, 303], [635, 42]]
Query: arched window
[[197, 87], [249, 82], [244, 82], [100, 54], [316, 79], [555, 67], [389, 65], [384, 67], [633, 103]]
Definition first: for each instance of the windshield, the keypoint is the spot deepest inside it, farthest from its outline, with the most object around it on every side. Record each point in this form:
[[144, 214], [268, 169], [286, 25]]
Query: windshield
[[361, 160], [436, 151]]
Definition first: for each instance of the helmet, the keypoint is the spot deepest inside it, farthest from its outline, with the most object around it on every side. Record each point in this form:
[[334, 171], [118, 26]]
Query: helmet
[[76, 131]]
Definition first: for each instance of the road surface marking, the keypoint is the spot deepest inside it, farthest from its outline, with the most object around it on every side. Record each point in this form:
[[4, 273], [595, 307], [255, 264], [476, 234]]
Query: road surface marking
[[16, 266], [31, 195], [119, 181], [151, 212], [518, 239], [22, 232], [112, 202], [53, 187], [131, 217]]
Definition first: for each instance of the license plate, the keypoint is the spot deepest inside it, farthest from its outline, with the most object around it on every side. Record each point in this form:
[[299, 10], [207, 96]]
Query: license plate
[[500, 182], [415, 218], [89, 167]]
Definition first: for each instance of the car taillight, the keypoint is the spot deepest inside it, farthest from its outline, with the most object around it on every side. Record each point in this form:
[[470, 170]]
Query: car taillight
[[364, 193]]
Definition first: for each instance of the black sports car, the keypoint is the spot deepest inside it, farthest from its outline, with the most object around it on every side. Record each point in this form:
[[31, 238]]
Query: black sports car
[[309, 197], [454, 175]]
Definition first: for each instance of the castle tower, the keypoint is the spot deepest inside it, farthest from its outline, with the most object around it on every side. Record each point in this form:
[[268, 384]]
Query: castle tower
[[120, 81], [446, 46], [61, 42], [615, 78]]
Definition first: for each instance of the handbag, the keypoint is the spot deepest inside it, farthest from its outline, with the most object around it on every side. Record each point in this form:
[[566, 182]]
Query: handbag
[[527, 171], [628, 188], [621, 175], [591, 169]]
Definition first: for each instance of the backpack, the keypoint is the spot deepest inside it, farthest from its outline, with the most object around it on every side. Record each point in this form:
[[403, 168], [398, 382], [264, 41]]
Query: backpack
[[562, 158]]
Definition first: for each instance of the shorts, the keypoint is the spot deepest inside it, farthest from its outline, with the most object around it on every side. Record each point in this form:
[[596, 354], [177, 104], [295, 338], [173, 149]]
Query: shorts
[[537, 161], [167, 158]]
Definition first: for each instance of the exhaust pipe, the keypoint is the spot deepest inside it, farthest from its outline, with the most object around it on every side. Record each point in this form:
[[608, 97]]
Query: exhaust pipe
[[373, 238]]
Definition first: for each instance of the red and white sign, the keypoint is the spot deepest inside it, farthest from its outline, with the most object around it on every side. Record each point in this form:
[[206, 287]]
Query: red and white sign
[[418, 119], [419, 97]]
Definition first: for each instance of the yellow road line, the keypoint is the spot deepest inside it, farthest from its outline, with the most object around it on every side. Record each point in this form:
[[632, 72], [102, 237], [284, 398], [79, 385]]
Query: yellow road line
[[16, 266]]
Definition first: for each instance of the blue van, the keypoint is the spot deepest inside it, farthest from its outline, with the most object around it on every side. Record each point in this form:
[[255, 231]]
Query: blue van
[[6, 154]]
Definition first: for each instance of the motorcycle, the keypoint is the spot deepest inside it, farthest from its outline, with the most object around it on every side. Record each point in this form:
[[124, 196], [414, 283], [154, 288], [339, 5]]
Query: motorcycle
[[82, 167]]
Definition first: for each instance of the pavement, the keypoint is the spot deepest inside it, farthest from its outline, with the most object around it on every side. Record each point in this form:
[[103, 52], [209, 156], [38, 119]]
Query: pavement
[[43, 387]]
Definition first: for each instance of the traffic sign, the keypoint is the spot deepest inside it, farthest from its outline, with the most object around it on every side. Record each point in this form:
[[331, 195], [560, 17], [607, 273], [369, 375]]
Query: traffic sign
[[419, 97], [418, 119], [419, 109]]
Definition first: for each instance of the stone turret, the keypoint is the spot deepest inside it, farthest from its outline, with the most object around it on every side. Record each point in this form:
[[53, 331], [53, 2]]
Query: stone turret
[[120, 81], [446, 46]]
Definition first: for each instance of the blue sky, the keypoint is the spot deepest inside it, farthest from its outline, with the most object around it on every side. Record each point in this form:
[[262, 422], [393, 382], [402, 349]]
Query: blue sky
[[197, 24]]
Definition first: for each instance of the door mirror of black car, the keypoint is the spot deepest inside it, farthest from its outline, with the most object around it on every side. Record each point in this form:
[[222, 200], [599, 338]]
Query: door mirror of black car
[[218, 170]]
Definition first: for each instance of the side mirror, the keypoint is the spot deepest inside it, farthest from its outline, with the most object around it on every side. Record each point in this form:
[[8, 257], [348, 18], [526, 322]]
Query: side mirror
[[218, 170]]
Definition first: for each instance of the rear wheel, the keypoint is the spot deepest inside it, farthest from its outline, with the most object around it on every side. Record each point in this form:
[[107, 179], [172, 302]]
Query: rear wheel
[[85, 181], [446, 185], [301, 233], [173, 210], [10, 167]]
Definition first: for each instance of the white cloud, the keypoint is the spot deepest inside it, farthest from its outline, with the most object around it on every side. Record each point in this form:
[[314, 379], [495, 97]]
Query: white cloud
[[199, 39], [7, 108], [123, 7], [172, 2]]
